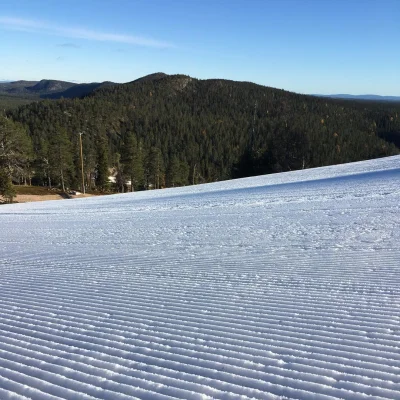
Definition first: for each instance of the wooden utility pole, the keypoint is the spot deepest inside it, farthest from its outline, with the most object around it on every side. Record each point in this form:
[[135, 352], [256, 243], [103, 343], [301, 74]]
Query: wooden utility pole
[[83, 175]]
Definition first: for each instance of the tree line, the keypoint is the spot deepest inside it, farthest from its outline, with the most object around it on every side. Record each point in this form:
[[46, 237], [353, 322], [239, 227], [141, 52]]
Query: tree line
[[174, 130]]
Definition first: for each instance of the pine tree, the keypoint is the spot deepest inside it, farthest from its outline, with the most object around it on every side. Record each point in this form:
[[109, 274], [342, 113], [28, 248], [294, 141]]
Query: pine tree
[[119, 177], [155, 168], [7, 190], [138, 168], [173, 172], [177, 173], [102, 166], [129, 156], [41, 163], [15, 148], [60, 158]]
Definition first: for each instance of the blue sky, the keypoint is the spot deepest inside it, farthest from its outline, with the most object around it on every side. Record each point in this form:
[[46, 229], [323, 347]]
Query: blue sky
[[314, 46]]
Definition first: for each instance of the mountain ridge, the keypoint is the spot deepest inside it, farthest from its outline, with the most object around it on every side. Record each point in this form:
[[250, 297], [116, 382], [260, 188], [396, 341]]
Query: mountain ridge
[[50, 85], [55, 89], [370, 97], [49, 88]]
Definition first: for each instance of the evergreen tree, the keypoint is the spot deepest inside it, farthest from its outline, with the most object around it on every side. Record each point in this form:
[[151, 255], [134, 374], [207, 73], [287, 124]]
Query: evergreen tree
[[119, 177], [7, 190], [289, 151], [102, 166], [129, 158], [173, 172], [15, 148], [177, 172], [155, 168], [138, 169], [60, 158], [42, 165], [90, 162]]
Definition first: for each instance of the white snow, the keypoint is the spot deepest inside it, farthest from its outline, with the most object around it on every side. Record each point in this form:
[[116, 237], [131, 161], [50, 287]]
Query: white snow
[[284, 286]]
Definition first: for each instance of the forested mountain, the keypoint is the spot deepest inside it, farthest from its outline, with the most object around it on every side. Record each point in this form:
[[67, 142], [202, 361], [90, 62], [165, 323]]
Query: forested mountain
[[50, 86], [13, 94], [77, 90], [16, 86], [35, 87], [174, 130]]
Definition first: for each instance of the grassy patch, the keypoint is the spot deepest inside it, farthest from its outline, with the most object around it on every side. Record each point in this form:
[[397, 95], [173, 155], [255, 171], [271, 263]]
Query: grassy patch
[[35, 190]]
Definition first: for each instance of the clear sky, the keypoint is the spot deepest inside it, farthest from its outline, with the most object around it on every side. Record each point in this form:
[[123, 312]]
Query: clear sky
[[306, 46]]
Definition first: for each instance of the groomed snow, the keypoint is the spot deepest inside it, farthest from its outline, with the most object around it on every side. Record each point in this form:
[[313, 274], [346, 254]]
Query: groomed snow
[[284, 286]]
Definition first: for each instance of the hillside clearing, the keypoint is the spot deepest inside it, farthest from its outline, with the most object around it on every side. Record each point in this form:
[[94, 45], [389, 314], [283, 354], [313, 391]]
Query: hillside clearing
[[27, 194]]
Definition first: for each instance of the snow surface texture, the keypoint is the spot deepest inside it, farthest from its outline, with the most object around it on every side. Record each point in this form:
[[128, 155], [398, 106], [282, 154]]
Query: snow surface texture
[[276, 287]]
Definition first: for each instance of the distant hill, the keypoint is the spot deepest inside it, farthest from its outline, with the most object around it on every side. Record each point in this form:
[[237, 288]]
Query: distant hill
[[55, 89], [17, 87], [372, 97], [50, 86], [77, 90], [34, 88], [15, 93]]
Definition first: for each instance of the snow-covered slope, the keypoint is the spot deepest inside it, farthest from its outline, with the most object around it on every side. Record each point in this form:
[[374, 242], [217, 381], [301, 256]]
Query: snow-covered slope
[[274, 287]]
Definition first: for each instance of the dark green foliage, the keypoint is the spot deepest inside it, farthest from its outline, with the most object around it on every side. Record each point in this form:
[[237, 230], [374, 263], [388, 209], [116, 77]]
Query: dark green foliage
[[174, 130], [61, 159], [119, 176], [102, 174], [132, 160], [8, 102], [177, 173], [15, 150], [138, 169], [7, 190], [289, 151], [154, 173]]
